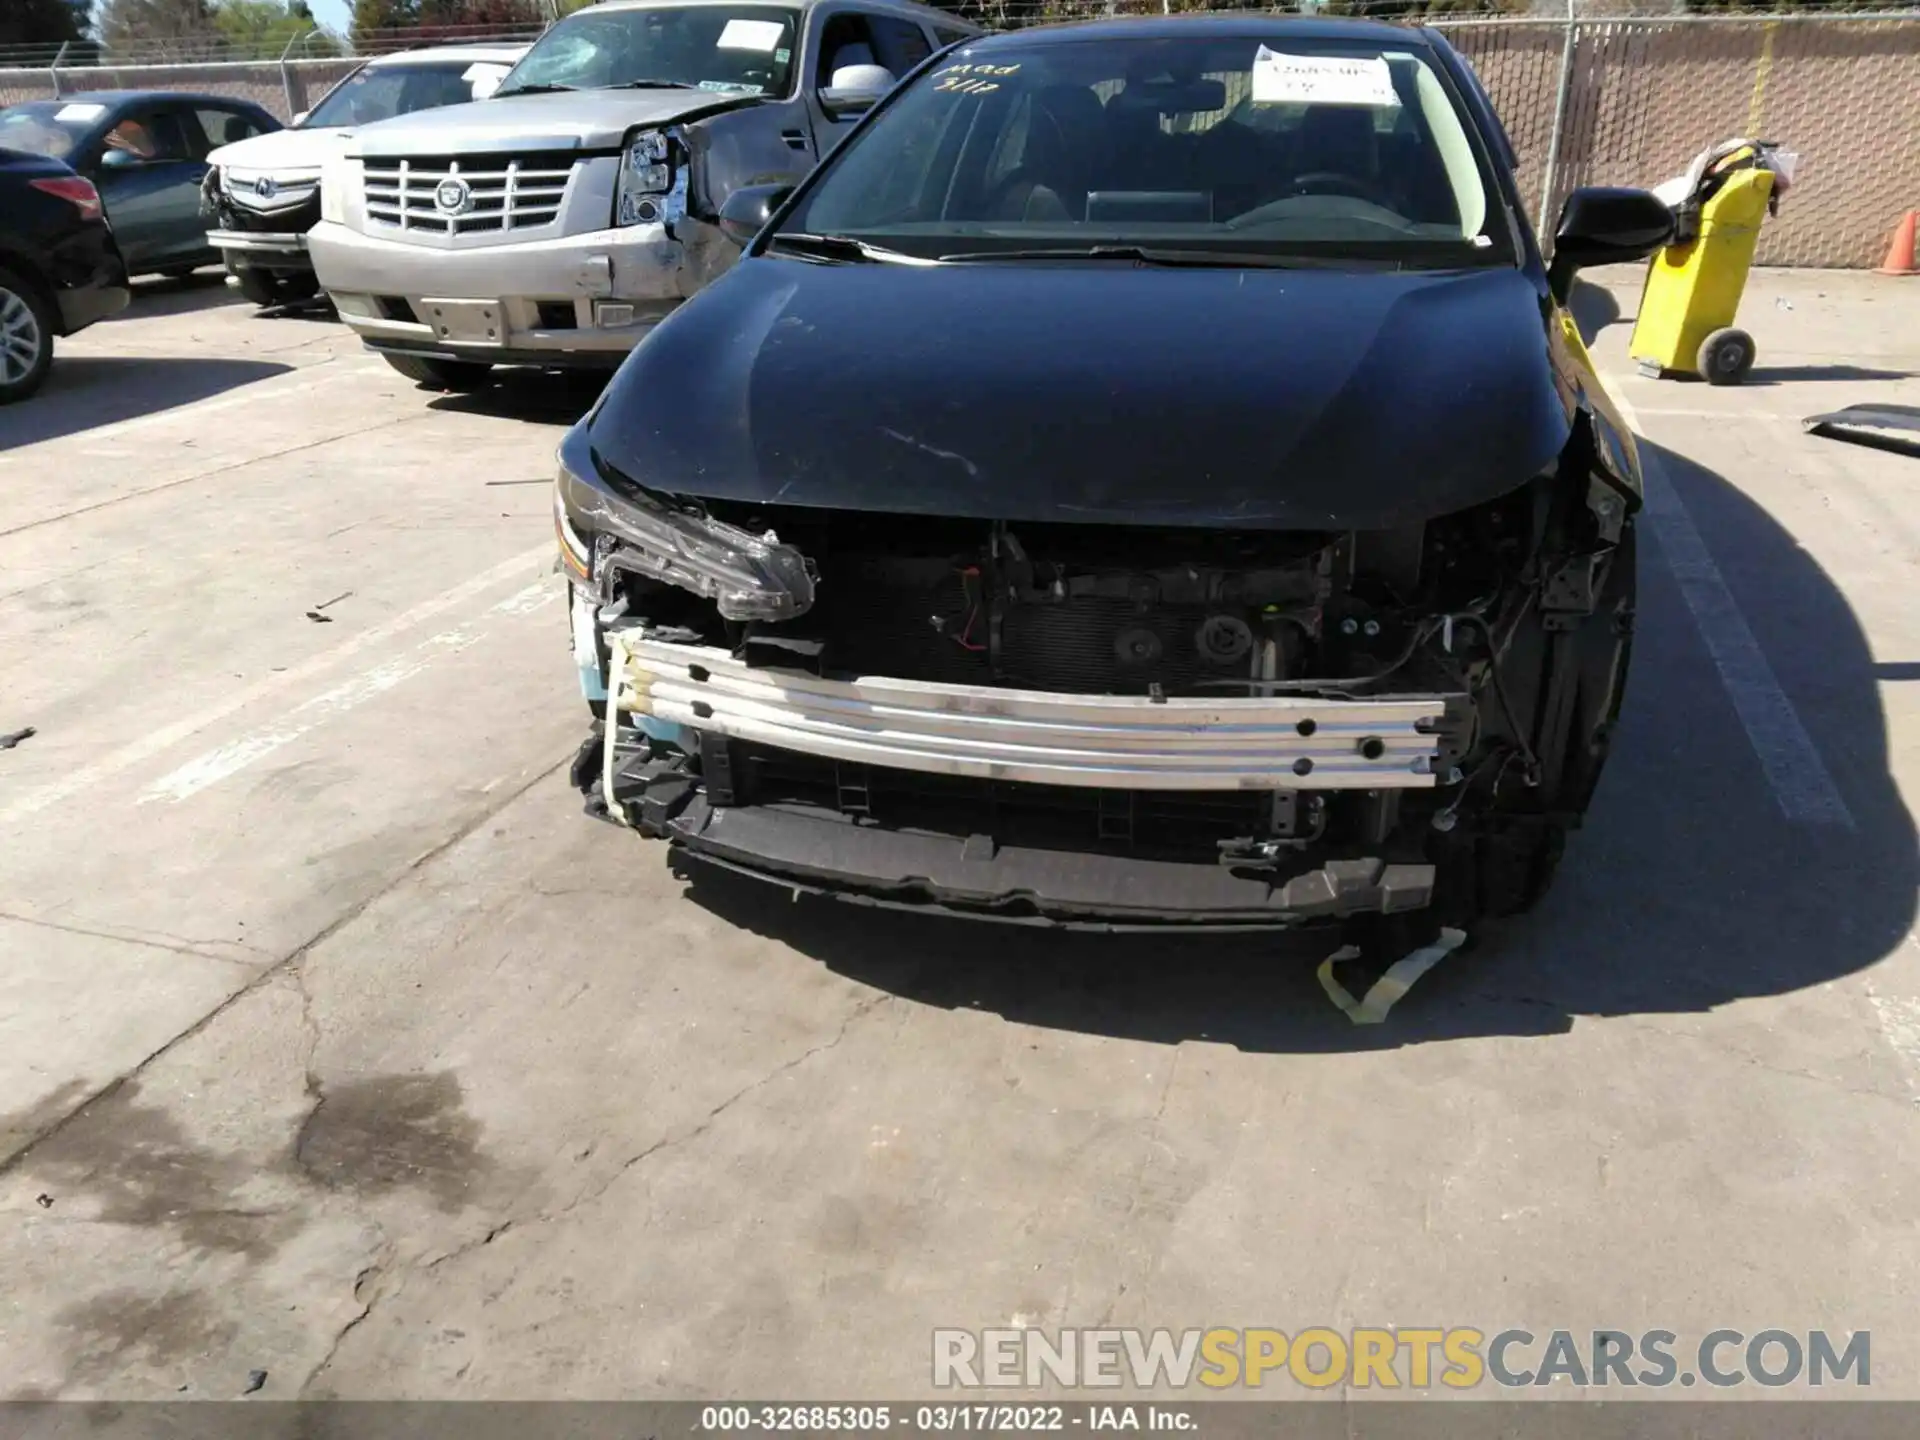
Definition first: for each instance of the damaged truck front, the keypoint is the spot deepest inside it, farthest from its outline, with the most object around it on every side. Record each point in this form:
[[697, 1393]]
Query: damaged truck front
[[979, 544], [556, 223]]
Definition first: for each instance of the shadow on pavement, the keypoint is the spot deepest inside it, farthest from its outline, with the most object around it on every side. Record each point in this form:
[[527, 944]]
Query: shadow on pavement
[[161, 295], [1687, 889], [1791, 374], [86, 391], [538, 397]]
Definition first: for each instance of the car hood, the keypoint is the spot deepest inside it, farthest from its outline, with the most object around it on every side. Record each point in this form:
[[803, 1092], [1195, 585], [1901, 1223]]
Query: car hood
[[1294, 399], [570, 120], [282, 150]]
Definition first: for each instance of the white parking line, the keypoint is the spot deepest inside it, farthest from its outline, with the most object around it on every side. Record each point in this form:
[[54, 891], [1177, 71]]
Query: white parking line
[[1797, 775], [225, 761], [155, 742]]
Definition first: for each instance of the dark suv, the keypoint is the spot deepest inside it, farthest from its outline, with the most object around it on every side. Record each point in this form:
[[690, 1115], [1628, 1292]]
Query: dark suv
[[59, 267]]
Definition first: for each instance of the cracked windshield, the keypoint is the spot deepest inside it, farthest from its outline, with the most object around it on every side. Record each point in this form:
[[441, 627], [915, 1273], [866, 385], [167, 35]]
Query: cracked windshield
[[737, 49]]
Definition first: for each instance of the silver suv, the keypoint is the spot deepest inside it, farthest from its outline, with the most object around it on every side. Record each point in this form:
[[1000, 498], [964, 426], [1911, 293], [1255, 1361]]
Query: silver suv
[[557, 222]]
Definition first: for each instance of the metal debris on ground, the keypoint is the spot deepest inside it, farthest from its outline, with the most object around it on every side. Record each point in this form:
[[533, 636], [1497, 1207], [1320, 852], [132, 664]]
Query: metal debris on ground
[[45, 1202], [1879, 426], [1372, 1008], [13, 738], [317, 613]]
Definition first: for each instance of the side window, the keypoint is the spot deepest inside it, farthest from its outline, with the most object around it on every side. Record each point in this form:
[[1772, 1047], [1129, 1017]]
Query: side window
[[149, 135], [223, 127], [844, 42], [899, 44], [948, 37]]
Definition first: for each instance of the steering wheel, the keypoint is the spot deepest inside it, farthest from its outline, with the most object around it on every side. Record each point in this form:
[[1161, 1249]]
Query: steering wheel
[[1333, 182]]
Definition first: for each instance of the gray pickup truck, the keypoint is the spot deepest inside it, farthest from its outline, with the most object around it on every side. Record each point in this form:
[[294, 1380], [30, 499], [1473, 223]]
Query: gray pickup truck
[[557, 222]]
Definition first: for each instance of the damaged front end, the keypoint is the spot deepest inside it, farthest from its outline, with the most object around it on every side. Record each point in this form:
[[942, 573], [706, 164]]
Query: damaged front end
[[1103, 725]]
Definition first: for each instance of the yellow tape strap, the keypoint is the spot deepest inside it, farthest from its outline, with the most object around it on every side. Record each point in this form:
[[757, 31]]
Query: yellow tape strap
[[1382, 995]]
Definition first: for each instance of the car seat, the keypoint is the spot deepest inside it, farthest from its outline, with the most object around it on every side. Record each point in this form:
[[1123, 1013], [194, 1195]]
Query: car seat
[[1334, 143]]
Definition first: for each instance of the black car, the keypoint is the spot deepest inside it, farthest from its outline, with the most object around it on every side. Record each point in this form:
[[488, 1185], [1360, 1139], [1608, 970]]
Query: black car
[[59, 268], [146, 150], [1146, 476]]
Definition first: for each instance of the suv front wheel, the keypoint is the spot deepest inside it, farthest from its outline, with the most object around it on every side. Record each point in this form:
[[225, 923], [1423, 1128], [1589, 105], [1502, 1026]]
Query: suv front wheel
[[440, 374]]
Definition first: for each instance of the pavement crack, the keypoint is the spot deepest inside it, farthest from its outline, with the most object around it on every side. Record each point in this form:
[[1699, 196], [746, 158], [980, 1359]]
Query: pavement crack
[[665, 1142], [272, 973], [366, 1303], [151, 939]]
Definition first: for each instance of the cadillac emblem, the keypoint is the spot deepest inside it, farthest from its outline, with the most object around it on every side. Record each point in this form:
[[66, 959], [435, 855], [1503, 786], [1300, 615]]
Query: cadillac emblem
[[452, 196]]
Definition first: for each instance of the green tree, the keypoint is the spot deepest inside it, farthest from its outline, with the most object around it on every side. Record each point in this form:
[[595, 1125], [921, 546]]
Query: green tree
[[264, 28], [371, 16], [162, 29]]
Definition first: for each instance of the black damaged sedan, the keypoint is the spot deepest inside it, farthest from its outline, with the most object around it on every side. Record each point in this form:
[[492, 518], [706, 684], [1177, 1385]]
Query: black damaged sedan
[[1145, 477]]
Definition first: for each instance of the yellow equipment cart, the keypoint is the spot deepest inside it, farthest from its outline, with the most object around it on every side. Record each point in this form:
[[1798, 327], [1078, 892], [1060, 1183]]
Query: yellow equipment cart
[[1694, 285]]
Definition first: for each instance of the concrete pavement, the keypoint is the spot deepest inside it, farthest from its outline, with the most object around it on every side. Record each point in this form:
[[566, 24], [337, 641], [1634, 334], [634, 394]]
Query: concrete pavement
[[336, 1043]]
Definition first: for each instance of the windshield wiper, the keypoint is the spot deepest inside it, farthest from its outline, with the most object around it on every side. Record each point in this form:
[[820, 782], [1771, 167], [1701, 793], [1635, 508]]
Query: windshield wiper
[[1159, 255], [533, 90], [649, 85], [842, 247]]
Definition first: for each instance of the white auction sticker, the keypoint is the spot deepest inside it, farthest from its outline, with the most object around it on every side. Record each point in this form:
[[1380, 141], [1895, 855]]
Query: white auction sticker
[[1280, 79], [760, 35], [79, 114]]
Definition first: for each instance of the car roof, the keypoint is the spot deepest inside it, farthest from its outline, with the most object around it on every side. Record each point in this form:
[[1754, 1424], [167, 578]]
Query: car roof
[[443, 53], [1159, 27], [904, 6], [113, 99]]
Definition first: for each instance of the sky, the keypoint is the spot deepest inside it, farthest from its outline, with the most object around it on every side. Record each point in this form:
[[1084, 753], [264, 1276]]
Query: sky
[[333, 14]]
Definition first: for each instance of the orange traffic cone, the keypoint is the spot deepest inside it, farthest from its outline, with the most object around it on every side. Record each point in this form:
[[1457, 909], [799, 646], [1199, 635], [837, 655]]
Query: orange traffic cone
[[1900, 253]]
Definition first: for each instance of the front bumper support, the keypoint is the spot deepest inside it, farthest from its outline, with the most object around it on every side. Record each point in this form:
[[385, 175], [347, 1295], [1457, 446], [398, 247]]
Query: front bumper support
[[1126, 742]]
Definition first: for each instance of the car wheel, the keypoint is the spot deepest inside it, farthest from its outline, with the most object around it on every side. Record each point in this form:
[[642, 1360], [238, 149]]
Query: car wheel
[[1725, 357], [26, 338], [441, 374]]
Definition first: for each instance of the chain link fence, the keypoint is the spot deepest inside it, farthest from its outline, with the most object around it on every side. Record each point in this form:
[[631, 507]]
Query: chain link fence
[[1588, 98]]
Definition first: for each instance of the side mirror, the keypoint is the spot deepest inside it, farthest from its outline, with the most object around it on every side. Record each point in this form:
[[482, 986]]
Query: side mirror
[[118, 160], [746, 211], [297, 121], [1603, 225], [856, 89]]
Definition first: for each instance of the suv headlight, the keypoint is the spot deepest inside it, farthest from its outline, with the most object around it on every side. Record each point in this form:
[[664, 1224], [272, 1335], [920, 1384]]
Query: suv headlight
[[646, 178], [335, 175]]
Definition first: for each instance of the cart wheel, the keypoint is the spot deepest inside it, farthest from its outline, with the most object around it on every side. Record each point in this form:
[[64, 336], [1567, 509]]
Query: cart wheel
[[1725, 357]]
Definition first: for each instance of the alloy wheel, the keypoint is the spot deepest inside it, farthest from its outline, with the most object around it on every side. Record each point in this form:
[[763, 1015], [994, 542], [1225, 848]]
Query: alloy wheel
[[20, 338]]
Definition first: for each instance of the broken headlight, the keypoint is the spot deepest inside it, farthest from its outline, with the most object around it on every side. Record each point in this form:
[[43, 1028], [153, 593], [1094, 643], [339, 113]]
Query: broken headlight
[[747, 576], [646, 177]]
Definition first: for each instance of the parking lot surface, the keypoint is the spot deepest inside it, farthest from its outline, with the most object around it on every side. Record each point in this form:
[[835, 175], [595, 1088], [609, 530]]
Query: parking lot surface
[[336, 1043]]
